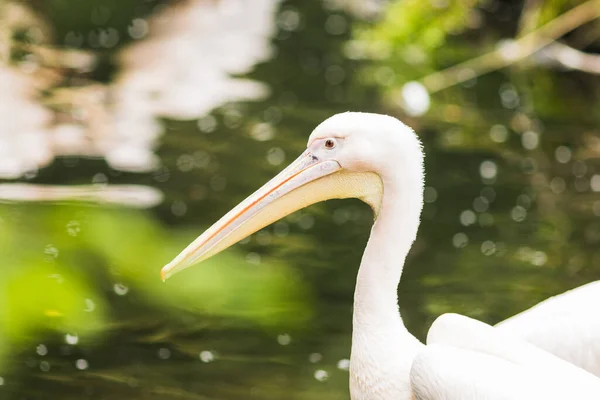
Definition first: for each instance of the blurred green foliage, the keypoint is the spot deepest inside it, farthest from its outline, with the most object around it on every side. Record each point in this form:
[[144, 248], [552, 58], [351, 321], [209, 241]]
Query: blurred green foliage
[[64, 264], [416, 23]]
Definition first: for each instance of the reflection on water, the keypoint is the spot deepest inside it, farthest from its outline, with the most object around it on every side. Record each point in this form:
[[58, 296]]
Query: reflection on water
[[512, 196], [207, 43], [127, 195]]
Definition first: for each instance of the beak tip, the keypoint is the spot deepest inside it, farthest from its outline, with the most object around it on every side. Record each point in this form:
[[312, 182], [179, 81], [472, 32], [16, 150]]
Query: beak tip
[[173, 268], [164, 273]]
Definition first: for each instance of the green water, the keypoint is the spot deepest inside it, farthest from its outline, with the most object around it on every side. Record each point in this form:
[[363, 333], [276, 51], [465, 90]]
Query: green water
[[85, 315]]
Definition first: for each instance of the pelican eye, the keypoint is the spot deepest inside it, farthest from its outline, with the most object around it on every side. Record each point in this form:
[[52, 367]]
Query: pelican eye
[[329, 144]]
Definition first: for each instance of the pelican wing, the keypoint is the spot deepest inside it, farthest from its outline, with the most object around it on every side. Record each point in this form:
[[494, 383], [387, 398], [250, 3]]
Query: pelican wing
[[468, 359], [567, 325], [448, 373]]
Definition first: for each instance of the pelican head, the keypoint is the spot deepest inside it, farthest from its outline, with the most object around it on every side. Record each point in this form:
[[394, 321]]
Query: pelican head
[[349, 155]]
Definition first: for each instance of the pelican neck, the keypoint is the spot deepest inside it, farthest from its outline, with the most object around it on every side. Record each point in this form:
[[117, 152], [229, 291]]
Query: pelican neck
[[382, 348], [392, 236]]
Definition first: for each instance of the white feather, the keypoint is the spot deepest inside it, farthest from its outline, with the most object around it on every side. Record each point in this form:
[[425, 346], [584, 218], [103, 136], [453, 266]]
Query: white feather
[[448, 373], [566, 325], [467, 359]]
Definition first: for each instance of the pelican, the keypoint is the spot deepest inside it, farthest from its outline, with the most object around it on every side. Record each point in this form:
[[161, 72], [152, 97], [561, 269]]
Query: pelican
[[378, 159]]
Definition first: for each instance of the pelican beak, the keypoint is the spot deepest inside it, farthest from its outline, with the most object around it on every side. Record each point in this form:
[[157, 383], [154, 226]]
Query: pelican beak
[[306, 181]]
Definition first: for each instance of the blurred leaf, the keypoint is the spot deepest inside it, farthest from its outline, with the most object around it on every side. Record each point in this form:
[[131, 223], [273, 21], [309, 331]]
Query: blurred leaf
[[65, 260]]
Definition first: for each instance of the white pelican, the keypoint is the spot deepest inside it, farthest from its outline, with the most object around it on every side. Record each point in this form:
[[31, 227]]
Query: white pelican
[[379, 160]]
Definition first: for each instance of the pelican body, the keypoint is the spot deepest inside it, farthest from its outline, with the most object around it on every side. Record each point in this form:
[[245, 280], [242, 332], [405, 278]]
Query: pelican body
[[379, 160]]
